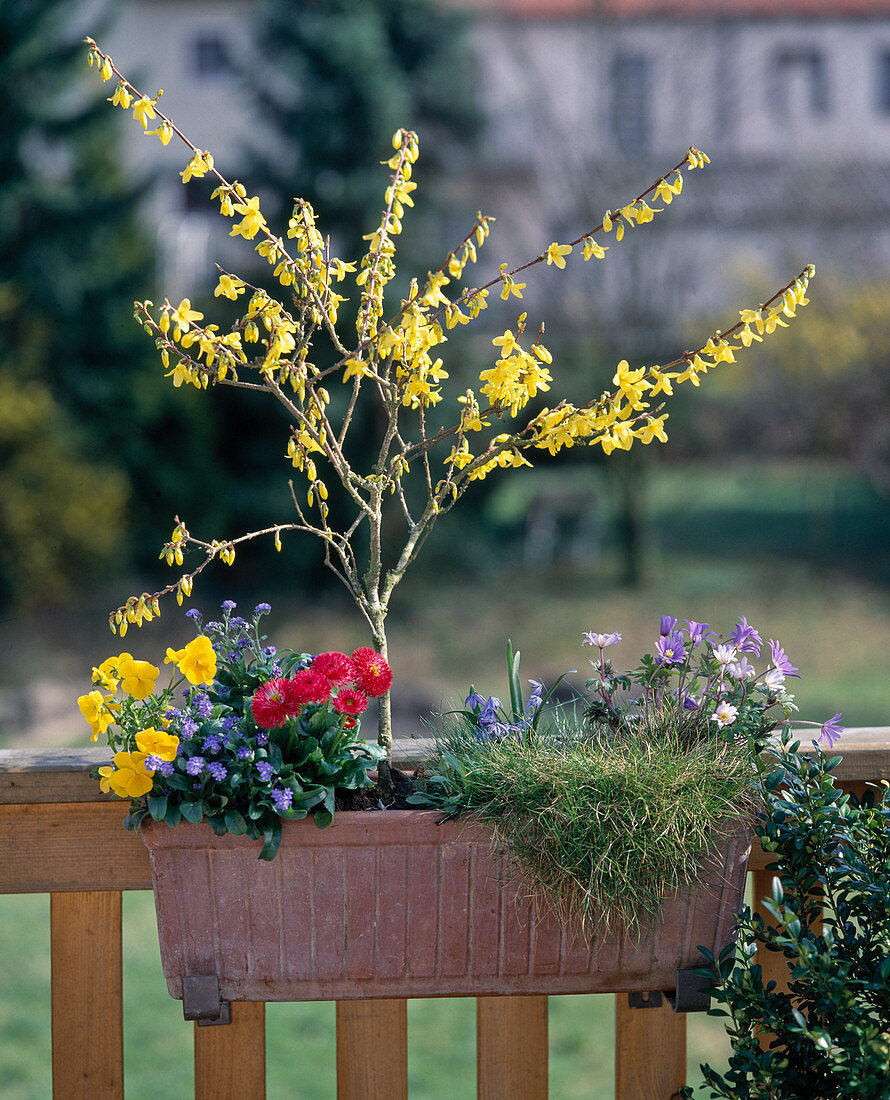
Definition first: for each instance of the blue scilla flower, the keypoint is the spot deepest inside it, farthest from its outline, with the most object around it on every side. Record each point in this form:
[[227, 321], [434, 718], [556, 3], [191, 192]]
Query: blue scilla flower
[[217, 771], [264, 770], [195, 765], [474, 700]]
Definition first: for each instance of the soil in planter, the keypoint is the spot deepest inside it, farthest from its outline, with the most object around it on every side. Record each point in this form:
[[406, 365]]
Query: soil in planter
[[372, 798]]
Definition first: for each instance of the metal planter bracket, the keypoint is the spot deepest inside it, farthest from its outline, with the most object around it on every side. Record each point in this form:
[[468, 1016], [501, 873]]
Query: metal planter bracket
[[201, 1003], [689, 995]]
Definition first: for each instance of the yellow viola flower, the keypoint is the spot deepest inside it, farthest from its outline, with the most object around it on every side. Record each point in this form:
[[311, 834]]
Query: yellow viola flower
[[105, 775], [106, 675], [94, 707], [555, 253], [131, 779], [197, 661], [157, 743], [137, 678]]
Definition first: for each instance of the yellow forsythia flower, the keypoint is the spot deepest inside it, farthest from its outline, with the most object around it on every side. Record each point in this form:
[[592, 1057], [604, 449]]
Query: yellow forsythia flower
[[555, 253], [197, 662]]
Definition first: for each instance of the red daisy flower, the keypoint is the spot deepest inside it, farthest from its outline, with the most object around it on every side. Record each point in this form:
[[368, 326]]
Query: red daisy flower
[[270, 704], [308, 686], [372, 674], [336, 666], [350, 701]]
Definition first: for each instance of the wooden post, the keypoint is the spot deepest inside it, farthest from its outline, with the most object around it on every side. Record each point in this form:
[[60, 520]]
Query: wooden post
[[650, 1051], [372, 1049], [87, 1008], [511, 1048], [773, 963], [230, 1059]]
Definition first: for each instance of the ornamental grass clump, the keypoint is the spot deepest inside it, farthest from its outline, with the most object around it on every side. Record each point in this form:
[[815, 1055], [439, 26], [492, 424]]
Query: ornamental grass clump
[[431, 445], [610, 804]]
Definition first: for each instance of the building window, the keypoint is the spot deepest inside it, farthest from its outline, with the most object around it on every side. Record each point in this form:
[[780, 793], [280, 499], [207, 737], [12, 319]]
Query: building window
[[211, 56], [631, 106], [882, 96], [800, 82]]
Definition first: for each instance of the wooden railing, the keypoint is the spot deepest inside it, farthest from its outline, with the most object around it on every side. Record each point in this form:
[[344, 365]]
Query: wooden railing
[[59, 836]]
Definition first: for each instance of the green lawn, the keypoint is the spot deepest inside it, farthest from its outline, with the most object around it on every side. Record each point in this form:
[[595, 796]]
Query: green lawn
[[300, 1037]]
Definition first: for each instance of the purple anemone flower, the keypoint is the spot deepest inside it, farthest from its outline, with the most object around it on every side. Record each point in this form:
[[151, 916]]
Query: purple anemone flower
[[670, 648], [745, 638], [601, 641], [698, 632], [780, 659], [831, 731], [668, 622]]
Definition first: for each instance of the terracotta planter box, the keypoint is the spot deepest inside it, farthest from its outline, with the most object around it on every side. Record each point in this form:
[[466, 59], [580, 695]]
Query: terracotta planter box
[[393, 905]]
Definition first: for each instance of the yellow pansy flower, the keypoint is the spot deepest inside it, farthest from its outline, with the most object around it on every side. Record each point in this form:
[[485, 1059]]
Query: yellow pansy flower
[[157, 743], [138, 678], [197, 661], [131, 779], [94, 708]]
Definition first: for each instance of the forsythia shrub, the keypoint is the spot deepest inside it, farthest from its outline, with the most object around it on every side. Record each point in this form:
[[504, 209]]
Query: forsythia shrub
[[429, 452]]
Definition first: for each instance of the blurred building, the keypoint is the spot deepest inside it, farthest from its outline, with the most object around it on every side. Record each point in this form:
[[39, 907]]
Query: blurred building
[[588, 101]]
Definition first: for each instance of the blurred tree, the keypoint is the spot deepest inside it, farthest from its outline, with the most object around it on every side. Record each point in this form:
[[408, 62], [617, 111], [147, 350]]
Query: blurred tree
[[820, 390], [79, 380], [338, 78]]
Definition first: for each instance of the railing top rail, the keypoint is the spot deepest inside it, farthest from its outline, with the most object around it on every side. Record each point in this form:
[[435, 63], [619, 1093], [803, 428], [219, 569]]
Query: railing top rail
[[30, 776], [66, 775]]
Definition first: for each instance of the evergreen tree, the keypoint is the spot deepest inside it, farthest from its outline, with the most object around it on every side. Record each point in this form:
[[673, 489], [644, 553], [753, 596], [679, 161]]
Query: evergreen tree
[[83, 375], [338, 78]]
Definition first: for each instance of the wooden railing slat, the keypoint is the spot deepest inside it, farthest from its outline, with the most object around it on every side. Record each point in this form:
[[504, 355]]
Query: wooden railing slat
[[372, 1050], [650, 1051], [511, 1048], [230, 1059], [87, 1006], [70, 846]]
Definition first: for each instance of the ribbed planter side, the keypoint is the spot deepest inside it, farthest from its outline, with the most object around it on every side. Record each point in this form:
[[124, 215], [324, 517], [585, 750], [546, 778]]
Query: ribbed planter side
[[393, 905]]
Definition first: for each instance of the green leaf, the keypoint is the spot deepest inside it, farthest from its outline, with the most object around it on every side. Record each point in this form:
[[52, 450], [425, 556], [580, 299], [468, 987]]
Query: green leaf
[[172, 816], [192, 811], [157, 806], [322, 818], [513, 681], [271, 840], [235, 823]]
